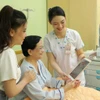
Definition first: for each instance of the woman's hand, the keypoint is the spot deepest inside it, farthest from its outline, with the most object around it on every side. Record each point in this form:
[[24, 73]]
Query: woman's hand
[[64, 76], [27, 98], [71, 84], [29, 76], [76, 83]]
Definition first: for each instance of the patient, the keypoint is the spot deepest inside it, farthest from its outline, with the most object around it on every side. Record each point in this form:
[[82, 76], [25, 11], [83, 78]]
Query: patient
[[32, 49]]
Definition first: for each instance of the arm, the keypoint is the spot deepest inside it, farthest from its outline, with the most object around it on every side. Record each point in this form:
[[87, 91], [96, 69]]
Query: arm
[[51, 81], [51, 58], [12, 89], [35, 89], [53, 62], [80, 53], [55, 83], [67, 87], [79, 46], [35, 92], [50, 55], [9, 74]]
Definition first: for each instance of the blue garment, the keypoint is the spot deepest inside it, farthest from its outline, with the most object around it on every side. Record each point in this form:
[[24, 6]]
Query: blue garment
[[3, 95], [35, 91]]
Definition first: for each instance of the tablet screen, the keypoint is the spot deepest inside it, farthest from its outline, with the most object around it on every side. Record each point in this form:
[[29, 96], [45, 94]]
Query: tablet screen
[[79, 68]]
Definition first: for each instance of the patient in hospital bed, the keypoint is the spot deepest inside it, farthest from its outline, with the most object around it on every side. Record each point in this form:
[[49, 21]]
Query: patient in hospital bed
[[45, 87]]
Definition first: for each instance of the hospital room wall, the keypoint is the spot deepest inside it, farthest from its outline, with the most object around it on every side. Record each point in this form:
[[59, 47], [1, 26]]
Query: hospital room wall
[[37, 17], [62, 3], [81, 16], [98, 19]]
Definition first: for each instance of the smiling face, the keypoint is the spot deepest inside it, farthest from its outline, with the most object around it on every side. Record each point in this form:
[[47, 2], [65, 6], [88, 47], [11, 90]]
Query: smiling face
[[18, 35], [37, 52], [59, 24]]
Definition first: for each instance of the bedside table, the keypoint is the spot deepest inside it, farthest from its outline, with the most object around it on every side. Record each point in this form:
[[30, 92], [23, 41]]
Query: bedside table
[[92, 74]]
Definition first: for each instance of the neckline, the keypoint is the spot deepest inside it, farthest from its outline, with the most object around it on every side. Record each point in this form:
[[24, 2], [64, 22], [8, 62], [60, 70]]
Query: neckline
[[31, 66], [61, 41]]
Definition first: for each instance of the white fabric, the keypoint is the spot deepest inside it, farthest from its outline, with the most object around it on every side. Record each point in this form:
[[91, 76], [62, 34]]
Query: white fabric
[[8, 66], [34, 90], [66, 61]]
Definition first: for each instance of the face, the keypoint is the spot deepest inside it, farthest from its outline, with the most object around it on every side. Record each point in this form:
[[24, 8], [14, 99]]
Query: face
[[38, 51], [18, 35], [59, 24]]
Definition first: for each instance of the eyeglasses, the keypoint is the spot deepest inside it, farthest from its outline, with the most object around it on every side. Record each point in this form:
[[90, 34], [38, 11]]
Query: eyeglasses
[[40, 48]]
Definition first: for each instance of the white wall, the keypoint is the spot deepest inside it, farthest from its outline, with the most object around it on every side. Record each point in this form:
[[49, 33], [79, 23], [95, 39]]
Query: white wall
[[37, 19]]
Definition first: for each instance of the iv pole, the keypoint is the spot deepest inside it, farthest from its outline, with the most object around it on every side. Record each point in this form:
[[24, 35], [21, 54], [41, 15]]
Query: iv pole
[[28, 10]]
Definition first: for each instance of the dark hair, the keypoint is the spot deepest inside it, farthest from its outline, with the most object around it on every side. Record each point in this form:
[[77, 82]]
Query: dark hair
[[55, 11], [9, 18], [29, 42]]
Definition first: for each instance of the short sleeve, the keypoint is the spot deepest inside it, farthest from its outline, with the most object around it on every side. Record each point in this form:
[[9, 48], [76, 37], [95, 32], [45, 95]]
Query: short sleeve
[[47, 47], [8, 65], [79, 42]]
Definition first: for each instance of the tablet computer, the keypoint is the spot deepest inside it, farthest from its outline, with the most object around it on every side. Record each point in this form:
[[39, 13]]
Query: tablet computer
[[79, 68]]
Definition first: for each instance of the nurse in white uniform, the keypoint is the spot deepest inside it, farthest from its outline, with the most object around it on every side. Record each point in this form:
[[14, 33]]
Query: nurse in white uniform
[[63, 45]]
